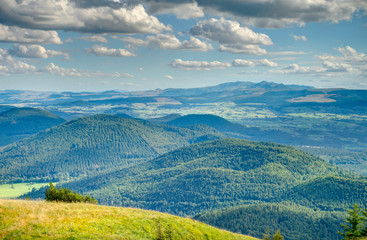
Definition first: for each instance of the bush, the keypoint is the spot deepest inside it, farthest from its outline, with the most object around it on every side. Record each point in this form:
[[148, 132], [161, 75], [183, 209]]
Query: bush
[[66, 195]]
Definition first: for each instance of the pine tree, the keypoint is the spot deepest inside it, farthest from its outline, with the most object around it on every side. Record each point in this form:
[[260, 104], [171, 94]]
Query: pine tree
[[364, 223], [352, 228], [267, 235], [278, 236]]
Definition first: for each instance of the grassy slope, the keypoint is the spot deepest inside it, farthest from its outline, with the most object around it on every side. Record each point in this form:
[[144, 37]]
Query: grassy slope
[[30, 219]]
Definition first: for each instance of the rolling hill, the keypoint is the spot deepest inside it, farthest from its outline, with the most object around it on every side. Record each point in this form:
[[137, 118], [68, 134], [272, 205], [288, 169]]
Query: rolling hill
[[294, 221], [212, 175], [19, 123], [31, 219], [219, 123], [93, 144]]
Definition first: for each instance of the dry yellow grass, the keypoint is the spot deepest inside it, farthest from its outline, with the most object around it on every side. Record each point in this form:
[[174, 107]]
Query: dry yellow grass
[[44, 220]]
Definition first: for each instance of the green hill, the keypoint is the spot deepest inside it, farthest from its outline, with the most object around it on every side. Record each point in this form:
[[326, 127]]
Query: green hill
[[210, 175], [219, 123], [294, 221], [93, 144], [329, 192], [30, 220], [19, 123]]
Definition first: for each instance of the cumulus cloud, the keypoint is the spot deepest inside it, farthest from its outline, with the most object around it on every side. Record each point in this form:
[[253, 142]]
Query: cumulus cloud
[[253, 63], [231, 36], [103, 51], [10, 65], [68, 15], [21, 35], [348, 62], [72, 72], [299, 38], [34, 51], [199, 65], [348, 54], [297, 69], [168, 42], [181, 11], [94, 38], [278, 13], [171, 42]]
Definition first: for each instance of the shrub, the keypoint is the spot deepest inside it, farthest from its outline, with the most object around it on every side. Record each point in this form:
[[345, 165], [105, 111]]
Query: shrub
[[66, 195]]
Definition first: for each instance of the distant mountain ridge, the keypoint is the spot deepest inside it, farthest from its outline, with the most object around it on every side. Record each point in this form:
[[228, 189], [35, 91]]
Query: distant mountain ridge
[[93, 144], [18, 123]]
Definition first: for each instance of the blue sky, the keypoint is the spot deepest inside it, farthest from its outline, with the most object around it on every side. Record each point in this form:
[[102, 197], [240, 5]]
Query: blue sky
[[96, 45]]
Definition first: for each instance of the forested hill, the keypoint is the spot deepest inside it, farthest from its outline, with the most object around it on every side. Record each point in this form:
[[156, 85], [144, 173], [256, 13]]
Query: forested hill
[[93, 144], [18, 123], [211, 175], [219, 123], [294, 221]]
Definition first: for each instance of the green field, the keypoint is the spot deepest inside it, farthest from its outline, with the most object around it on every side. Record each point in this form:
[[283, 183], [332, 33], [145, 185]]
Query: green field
[[15, 190]]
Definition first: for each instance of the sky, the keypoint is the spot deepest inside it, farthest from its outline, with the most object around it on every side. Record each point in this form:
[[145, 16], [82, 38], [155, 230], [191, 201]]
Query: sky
[[99, 45]]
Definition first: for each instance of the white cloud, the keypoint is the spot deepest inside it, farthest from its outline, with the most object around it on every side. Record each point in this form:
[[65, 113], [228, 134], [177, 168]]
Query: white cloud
[[199, 65], [231, 36], [72, 72], [169, 77], [253, 63], [296, 69], [242, 49], [168, 42], [103, 51], [182, 11], [94, 38], [299, 38], [34, 51], [337, 67], [70, 15], [21, 35], [10, 65], [171, 42], [349, 60], [285, 53], [350, 54]]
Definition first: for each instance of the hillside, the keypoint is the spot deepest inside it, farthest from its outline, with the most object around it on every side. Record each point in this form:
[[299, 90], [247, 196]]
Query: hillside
[[93, 144], [19, 123], [219, 123], [294, 221], [30, 219], [329, 192], [209, 175]]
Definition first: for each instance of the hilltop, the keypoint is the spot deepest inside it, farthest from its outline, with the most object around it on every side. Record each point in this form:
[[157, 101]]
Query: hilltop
[[219, 123], [215, 174], [19, 123], [294, 221], [30, 219], [93, 144]]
